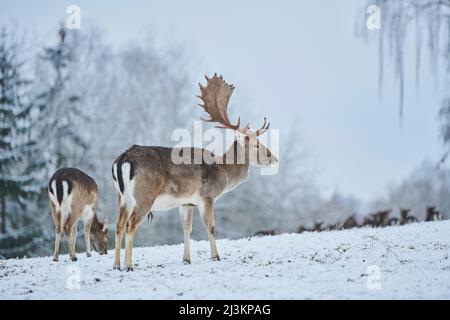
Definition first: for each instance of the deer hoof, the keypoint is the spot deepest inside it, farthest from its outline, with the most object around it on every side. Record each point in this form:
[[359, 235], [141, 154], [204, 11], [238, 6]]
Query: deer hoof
[[216, 258], [116, 268], [88, 255], [186, 261], [55, 259], [73, 258], [129, 269]]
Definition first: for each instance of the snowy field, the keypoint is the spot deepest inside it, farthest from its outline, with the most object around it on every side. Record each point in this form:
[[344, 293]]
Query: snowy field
[[394, 263]]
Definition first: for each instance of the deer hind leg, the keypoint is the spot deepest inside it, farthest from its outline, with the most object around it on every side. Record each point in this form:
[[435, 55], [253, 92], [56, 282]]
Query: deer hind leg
[[207, 213], [139, 213], [70, 229], [58, 230], [120, 229], [186, 215], [87, 235], [73, 241]]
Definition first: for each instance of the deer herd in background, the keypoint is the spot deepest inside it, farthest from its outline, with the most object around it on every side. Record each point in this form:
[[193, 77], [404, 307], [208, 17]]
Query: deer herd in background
[[378, 219]]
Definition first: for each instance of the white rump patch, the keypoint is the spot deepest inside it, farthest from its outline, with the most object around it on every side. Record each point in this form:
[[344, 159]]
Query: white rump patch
[[66, 204], [52, 195], [116, 181], [128, 192]]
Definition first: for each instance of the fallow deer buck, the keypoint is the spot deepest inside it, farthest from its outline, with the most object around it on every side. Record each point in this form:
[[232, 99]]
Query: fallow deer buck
[[148, 179], [73, 196]]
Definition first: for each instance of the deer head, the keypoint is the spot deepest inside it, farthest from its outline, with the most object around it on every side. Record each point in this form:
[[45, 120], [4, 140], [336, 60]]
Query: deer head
[[215, 97], [99, 237]]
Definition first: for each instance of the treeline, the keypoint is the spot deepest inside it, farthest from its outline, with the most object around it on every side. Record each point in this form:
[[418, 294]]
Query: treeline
[[77, 102], [38, 114], [81, 102]]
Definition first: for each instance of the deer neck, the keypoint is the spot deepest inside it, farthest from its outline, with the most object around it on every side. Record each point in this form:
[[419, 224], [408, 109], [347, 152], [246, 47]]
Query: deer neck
[[236, 164]]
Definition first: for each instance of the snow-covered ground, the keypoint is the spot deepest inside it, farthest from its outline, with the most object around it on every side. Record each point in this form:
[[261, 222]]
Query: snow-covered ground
[[394, 262]]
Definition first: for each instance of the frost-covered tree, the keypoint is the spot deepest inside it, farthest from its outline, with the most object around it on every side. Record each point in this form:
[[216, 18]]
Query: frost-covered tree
[[15, 144], [61, 113], [423, 25], [425, 186], [44, 130]]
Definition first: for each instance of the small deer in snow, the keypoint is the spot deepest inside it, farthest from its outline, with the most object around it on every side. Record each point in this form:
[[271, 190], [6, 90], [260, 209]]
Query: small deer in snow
[[393, 221], [317, 227], [350, 222], [433, 214], [382, 217], [270, 232], [405, 218], [147, 179], [333, 226], [73, 196], [369, 221]]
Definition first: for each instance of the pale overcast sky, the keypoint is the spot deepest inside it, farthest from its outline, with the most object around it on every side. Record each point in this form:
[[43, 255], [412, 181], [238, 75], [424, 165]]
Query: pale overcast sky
[[289, 60]]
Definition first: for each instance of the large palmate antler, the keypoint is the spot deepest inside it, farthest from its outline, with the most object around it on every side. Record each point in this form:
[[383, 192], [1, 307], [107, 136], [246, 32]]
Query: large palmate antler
[[215, 97]]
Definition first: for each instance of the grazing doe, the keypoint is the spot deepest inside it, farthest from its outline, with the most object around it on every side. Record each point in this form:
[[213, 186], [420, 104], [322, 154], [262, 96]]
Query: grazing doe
[[350, 223], [270, 232], [433, 214], [405, 218], [393, 221], [317, 227], [74, 196], [382, 218], [148, 179], [334, 226], [370, 222]]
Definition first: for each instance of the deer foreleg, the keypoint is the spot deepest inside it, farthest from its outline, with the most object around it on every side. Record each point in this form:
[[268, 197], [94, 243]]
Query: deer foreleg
[[186, 215], [120, 229], [207, 213], [58, 232]]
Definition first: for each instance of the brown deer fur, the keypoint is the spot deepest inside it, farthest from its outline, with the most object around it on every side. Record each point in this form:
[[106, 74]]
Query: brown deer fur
[[405, 218], [350, 223], [433, 214], [148, 180], [73, 196]]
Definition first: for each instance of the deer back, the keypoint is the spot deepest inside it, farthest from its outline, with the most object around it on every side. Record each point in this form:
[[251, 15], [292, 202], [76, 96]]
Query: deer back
[[72, 188]]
